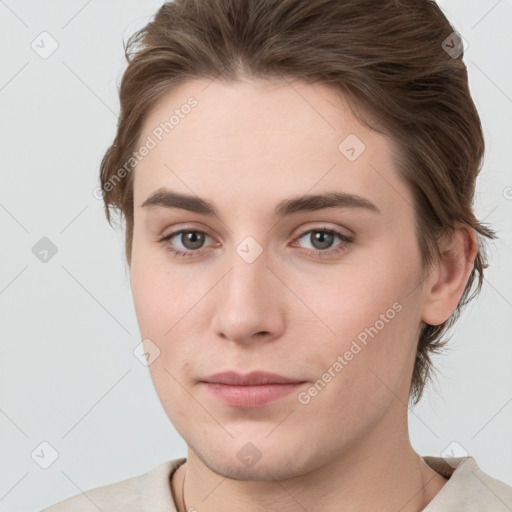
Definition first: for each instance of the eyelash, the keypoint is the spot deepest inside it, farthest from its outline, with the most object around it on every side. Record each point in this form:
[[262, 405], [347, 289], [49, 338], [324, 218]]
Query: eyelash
[[345, 241]]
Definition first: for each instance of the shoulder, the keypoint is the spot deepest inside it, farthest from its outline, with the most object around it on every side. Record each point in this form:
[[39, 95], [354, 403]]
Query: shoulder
[[138, 493], [468, 487]]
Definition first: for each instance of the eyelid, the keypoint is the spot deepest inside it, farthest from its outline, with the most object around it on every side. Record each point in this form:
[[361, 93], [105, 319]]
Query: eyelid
[[319, 226], [180, 229], [172, 234], [345, 240]]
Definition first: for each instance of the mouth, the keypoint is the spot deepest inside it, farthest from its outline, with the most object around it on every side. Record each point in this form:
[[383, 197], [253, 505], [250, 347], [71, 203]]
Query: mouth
[[254, 389]]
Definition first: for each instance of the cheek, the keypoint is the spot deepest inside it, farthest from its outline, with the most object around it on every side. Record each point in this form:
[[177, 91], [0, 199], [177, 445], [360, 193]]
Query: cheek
[[170, 308], [372, 318], [161, 311], [159, 289], [149, 297]]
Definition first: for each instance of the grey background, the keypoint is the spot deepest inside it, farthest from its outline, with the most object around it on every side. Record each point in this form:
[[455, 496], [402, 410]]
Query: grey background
[[68, 328]]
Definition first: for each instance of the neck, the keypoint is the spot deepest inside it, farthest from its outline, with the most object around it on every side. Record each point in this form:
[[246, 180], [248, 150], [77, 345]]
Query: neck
[[380, 472]]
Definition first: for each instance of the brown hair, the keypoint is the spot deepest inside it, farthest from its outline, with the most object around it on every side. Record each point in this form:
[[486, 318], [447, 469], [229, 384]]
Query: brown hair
[[387, 56]]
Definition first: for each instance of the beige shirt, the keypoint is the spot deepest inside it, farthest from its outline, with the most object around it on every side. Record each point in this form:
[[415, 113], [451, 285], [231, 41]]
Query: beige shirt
[[468, 489]]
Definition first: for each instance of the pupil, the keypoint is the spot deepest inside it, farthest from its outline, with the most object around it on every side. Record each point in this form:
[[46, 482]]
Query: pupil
[[321, 239]]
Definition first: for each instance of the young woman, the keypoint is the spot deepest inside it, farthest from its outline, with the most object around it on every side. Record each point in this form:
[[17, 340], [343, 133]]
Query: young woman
[[296, 179]]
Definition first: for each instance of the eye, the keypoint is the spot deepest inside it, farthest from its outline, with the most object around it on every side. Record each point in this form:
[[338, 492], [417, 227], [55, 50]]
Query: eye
[[321, 241], [191, 240]]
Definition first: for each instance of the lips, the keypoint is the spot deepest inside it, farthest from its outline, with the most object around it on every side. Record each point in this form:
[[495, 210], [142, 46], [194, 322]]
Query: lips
[[254, 389], [256, 378]]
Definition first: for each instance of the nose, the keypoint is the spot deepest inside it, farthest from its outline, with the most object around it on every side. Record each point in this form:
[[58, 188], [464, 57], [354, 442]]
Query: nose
[[250, 303]]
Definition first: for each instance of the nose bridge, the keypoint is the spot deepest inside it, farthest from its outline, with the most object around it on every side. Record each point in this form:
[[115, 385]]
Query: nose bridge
[[247, 303], [249, 273], [246, 286]]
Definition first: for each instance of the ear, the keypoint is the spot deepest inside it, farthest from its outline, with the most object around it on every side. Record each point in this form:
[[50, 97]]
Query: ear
[[448, 279]]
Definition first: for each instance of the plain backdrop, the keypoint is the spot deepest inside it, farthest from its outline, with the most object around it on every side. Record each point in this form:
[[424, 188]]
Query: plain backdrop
[[71, 390]]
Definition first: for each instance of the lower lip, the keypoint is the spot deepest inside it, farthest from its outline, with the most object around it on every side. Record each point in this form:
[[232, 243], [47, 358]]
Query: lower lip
[[250, 396]]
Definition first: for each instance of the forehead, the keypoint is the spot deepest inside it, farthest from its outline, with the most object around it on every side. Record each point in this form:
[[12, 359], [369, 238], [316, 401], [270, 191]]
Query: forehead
[[262, 137]]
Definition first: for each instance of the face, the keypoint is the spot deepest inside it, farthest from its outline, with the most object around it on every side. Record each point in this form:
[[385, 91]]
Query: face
[[265, 278]]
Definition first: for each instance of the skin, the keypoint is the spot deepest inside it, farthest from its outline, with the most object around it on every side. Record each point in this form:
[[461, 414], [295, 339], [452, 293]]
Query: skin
[[245, 147]]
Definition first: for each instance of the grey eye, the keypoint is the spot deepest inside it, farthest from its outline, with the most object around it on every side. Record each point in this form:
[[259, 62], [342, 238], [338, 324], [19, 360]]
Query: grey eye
[[321, 239], [192, 239]]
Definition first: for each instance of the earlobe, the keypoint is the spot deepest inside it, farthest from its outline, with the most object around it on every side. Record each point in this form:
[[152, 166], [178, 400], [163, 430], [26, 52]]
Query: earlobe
[[449, 277]]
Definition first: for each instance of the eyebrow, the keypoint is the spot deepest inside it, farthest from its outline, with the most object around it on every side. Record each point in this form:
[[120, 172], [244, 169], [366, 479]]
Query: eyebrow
[[308, 203]]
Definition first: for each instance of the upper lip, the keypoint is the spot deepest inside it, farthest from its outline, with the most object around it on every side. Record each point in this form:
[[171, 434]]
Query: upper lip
[[249, 379]]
